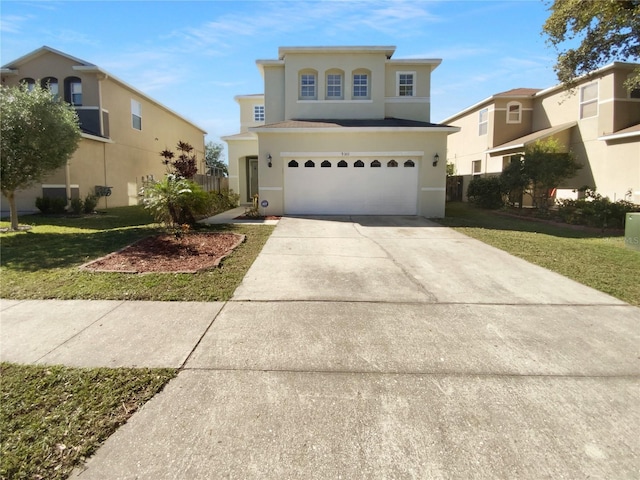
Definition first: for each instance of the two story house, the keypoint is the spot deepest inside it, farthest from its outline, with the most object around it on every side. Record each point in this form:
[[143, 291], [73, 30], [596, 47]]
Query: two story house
[[599, 121], [341, 130], [123, 130]]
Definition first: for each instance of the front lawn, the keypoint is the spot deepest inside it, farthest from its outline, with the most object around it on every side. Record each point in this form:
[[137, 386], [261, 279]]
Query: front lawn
[[43, 262], [597, 259], [52, 418]]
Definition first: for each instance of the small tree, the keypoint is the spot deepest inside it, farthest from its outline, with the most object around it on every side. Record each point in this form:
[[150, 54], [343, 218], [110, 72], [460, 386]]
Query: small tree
[[514, 180], [38, 135], [185, 165], [175, 200], [214, 161]]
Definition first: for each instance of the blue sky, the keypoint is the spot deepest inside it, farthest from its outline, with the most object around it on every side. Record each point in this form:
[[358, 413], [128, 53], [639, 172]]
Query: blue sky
[[195, 56]]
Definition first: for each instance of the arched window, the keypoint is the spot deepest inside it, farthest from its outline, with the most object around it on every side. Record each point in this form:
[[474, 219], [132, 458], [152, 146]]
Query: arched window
[[409, 163], [392, 164], [514, 112], [326, 164], [308, 81], [29, 82], [335, 84], [359, 164], [73, 91], [292, 164], [342, 164], [51, 84], [309, 164], [375, 164]]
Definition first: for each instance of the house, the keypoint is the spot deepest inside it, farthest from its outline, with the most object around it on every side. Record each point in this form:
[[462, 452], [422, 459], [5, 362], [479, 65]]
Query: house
[[123, 131], [341, 130], [599, 121]]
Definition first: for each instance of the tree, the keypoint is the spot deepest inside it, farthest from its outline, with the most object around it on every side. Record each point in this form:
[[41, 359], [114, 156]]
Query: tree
[[214, 160], [185, 165], [38, 135], [607, 30]]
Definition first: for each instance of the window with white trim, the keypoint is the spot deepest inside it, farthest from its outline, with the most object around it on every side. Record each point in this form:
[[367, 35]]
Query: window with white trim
[[258, 113], [514, 112], [308, 86], [483, 121], [589, 100], [136, 114], [476, 167], [360, 86], [334, 86], [405, 84]]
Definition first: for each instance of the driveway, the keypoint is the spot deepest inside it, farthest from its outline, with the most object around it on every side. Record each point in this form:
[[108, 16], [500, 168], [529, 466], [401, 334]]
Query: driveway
[[391, 347]]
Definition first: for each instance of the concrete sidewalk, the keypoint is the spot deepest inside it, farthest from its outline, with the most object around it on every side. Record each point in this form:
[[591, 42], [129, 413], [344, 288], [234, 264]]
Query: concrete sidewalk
[[364, 347]]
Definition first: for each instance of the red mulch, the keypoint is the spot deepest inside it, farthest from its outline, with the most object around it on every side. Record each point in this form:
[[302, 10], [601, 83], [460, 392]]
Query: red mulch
[[168, 253]]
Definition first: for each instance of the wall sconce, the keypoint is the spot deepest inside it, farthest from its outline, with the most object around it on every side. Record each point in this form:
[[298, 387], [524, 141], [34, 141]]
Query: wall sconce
[[269, 160], [436, 158]]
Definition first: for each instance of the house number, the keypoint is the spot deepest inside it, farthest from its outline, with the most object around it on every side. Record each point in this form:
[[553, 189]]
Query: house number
[[345, 154]]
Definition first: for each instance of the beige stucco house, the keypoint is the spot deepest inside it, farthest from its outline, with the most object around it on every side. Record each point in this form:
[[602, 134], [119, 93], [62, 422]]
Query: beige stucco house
[[123, 130], [599, 121], [341, 130]]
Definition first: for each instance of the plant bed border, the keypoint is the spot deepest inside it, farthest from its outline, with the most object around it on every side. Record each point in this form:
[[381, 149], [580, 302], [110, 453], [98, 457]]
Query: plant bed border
[[240, 238]]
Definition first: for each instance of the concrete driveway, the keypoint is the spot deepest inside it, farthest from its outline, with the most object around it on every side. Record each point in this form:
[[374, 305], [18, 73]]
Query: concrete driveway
[[390, 347]]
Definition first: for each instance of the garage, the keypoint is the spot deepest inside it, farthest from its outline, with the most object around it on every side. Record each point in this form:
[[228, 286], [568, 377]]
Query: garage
[[373, 185]]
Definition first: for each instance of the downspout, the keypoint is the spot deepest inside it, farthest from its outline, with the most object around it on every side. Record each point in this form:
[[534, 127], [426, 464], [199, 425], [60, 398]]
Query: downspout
[[67, 181]]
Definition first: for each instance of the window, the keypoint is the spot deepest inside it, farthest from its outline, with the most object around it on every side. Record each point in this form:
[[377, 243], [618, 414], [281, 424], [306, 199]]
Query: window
[[405, 82], [409, 163], [476, 167], [483, 121], [308, 86], [29, 82], [292, 164], [342, 164], [258, 113], [359, 164], [73, 91], [634, 93], [51, 83], [375, 164], [589, 100], [514, 112], [360, 86], [136, 114], [309, 164], [334, 86], [325, 164], [392, 164]]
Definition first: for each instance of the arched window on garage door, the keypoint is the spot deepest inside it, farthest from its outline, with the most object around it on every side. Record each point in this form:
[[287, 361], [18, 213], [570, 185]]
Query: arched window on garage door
[[359, 164], [292, 164], [375, 164], [409, 163], [342, 164], [325, 164], [392, 164], [309, 164]]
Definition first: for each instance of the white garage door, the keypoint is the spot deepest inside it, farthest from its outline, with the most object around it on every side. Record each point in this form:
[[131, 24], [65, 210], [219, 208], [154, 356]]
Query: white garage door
[[354, 186]]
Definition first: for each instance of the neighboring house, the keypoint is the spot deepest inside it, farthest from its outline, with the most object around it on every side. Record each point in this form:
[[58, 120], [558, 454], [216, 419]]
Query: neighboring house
[[123, 130], [341, 130], [599, 122]]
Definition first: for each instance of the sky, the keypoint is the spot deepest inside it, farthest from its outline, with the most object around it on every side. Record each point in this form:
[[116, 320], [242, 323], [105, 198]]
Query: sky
[[195, 56]]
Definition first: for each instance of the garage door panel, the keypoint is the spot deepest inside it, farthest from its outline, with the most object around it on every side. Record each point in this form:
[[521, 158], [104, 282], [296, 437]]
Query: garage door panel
[[351, 190]]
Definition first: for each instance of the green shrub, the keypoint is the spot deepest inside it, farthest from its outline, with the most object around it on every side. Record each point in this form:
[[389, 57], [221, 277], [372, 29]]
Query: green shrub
[[76, 206], [43, 204], [176, 201], [486, 192], [223, 201], [90, 203], [51, 205], [595, 211]]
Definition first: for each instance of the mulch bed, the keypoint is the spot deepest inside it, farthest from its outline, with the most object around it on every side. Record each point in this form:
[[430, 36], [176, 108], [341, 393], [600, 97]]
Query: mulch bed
[[268, 217], [169, 253]]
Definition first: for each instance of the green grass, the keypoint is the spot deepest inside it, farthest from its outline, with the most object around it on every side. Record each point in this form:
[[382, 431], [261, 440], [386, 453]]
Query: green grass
[[596, 259], [52, 418], [43, 262]]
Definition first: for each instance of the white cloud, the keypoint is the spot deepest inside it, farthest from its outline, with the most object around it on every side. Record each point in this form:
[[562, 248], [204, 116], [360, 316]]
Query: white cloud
[[13, 23]]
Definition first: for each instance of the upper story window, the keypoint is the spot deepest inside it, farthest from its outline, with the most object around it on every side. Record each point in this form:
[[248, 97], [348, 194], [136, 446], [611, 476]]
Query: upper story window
[[360, 86], [514, 112], [405, 84], [483, 121], [136, 114], [589, 100], [29, 82], [334, 86], [476, 167], [51, 83], [73, 91], [258, 113], [308, 84]]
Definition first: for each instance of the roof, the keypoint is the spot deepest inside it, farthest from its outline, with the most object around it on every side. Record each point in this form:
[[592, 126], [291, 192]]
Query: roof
[[518, 92], [532, 137], [521, 92], [632, 131], [388, 50], [353, 123], [87, 67]]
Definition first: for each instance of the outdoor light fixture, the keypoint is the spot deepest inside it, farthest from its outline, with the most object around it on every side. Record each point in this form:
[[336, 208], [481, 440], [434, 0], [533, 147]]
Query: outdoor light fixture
[[436, 158], [269, 160]]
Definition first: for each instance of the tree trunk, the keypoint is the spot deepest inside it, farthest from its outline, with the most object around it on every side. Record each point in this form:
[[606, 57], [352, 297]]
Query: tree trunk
[[12, 207]]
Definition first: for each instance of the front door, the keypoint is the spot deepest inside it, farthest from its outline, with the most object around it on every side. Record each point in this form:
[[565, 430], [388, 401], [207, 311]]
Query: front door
[[253, 178]]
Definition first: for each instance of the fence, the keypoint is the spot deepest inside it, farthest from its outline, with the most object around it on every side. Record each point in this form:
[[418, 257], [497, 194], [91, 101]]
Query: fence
[[210, 183]]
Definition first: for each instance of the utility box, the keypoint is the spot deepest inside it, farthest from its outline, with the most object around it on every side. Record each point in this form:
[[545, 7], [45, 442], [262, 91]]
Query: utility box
[[632, 231]]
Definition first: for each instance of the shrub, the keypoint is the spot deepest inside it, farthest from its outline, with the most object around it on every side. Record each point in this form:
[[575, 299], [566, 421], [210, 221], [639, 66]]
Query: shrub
[[223, 201], [486, 192], [76, 206], [51, 205], [43, 204], [595, 211], [90, 203]]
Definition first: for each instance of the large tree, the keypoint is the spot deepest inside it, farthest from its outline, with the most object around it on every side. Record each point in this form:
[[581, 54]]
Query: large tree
[[214, 159], [38, 135], [605, 30]]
